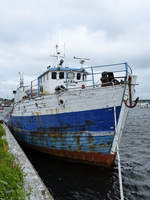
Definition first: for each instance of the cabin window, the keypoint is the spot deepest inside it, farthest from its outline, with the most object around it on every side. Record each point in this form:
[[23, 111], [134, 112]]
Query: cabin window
[[71, 75], [41, 79], [84, 77], [78, 76], [61, 75], [47, 75], [54, 74]]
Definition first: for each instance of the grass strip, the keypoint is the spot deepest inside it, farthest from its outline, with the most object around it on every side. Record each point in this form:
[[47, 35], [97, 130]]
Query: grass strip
[[11, 175]]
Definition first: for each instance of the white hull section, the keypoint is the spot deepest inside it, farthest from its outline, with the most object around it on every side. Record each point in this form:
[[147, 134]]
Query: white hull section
[[71, 101]]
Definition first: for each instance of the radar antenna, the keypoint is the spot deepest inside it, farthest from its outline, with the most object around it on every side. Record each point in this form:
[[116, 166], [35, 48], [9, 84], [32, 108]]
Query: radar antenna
[[82, 60]]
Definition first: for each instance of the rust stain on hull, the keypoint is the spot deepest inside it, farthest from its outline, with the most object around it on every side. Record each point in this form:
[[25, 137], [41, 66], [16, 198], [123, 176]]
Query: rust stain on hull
[[97, 158]]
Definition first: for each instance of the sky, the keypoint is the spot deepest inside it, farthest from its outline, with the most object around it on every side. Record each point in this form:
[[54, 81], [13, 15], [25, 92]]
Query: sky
[[109, 31]]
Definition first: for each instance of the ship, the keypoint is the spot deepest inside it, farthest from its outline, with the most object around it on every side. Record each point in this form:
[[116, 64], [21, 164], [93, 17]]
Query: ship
[[75, 113]]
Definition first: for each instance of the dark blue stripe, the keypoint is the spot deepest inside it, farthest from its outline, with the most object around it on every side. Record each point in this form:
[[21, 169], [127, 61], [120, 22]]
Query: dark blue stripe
[[91, 120]]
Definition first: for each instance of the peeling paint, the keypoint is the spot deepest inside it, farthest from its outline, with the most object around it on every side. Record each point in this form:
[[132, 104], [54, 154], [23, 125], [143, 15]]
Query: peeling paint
[[57, 110], [38, 113]]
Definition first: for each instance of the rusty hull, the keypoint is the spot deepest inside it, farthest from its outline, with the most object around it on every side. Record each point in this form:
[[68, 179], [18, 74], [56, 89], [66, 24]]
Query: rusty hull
[[96, 158]]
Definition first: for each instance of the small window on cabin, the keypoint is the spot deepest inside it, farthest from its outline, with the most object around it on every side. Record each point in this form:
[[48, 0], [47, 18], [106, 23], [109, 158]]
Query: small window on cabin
[[78, 76], [71, 75], [61, 75], [47, 75], [41, 79], [54, 74], [84, 77]]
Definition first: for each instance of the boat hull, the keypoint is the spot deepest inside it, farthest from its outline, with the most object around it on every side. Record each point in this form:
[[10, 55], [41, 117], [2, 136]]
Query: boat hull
[[76, 130]]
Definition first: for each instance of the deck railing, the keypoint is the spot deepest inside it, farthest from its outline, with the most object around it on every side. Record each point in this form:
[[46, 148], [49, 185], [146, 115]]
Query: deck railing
[[93, 79], [98, 70]]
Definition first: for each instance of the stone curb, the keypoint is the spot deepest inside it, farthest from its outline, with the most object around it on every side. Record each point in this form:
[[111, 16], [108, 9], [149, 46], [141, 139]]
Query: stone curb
[[32, 179]]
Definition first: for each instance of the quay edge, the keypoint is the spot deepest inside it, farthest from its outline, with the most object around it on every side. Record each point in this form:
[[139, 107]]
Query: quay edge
[[31, 178]]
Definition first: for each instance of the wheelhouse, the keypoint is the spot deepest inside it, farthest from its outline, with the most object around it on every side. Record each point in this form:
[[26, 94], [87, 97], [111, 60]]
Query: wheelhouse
[[61, 76]]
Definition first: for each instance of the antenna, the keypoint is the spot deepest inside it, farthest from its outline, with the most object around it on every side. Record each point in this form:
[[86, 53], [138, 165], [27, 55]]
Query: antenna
[[82, 60], [58, 56], [21, 79], [64, 49]]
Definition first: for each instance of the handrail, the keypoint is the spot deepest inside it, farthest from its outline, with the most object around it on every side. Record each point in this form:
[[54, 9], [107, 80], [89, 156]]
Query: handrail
[[122, 74], [109, 65], [130, 68], [112, 71]]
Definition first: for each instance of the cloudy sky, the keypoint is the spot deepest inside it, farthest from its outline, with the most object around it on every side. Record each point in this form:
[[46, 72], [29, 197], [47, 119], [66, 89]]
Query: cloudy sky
[[107, 32]]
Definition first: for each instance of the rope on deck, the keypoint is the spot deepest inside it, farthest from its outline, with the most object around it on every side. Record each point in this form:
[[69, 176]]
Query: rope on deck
[[119, 173]]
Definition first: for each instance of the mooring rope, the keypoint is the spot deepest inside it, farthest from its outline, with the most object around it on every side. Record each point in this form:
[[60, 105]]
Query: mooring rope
[[118, 156], [119, 173]]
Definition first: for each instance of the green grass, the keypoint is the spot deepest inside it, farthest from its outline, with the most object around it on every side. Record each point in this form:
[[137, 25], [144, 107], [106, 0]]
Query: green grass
[[11, 175], [2, 131]]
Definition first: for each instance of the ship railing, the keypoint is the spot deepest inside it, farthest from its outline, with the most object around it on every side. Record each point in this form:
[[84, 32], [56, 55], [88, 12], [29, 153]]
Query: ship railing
[[94, 76], [34, 88], [26, 89]]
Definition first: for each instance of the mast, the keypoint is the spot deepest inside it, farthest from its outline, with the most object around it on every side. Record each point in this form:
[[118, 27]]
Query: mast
[[58, 57], [21, 79]]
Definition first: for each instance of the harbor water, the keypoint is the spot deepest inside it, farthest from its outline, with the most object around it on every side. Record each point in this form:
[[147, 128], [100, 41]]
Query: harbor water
[[73, 181]]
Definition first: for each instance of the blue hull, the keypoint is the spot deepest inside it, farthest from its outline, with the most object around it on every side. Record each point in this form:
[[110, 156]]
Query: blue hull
[[68, 131]]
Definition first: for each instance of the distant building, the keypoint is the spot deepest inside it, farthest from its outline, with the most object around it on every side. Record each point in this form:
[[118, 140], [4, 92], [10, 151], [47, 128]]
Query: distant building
[[144, 103], [6, 102]]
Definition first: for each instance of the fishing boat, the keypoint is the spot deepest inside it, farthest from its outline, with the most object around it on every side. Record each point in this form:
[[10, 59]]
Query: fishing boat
[[77, 113]]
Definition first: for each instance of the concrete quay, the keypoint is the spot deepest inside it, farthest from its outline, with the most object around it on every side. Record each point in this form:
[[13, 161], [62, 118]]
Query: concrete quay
[[32, 180]]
